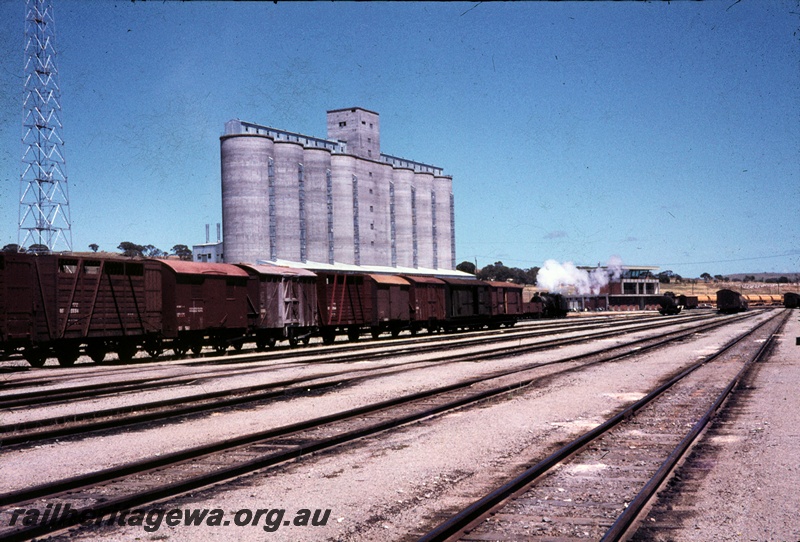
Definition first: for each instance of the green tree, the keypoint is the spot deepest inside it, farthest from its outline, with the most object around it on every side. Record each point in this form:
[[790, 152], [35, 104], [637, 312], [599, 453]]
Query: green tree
[[500, 273], [131, 250], [706, 277], [467, 267], [531, 275], [183, 252], [94, 247], [153, 252], [665, 277], [497, 271], [38, 248]]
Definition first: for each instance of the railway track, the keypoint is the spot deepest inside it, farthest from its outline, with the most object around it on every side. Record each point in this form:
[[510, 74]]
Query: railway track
[[76, 424], [278, 352], [282, 354], [329, 355], [597, 486], [142, 482]]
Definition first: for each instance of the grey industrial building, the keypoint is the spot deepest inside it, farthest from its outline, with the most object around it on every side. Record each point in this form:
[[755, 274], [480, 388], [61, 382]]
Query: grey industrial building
[[297, 198]]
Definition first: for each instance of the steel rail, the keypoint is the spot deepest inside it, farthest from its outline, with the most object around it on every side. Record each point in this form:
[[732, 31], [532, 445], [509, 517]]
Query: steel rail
[[623, 523], [127, 415], [58, 488], [91, 390], [476, 512]]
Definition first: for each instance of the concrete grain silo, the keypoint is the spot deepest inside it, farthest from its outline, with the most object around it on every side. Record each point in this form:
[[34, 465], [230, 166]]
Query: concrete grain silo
[[423, 184], [442, 189], [318, 191], [290, 230], [245, 167], [404, 235], [298, 198], [346, 237], [381, 215], [373, 212]]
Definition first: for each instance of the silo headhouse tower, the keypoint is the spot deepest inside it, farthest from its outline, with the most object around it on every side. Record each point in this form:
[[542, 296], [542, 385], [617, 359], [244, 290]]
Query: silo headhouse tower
[[288, 197]]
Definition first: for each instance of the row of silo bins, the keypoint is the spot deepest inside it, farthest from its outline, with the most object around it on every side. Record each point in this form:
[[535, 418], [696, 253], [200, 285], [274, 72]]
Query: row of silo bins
[[296, 198]]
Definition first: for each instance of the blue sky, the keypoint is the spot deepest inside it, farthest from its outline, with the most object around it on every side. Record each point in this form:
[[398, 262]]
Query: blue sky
[[664, 133]]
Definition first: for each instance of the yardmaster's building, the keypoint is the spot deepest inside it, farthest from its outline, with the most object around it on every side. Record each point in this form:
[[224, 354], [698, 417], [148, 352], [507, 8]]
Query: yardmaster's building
[[297, 198]]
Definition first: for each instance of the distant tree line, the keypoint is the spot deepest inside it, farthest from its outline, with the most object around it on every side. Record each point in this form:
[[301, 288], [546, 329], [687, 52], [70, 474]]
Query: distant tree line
[[128, 249], [665, 277], [132, 250], [500, 273], [747, 278]]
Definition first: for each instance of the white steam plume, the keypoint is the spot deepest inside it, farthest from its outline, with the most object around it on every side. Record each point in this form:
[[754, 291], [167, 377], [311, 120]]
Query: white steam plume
[[557, 277]]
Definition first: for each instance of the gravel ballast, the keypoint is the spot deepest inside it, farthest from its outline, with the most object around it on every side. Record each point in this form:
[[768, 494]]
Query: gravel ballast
[[393, 485]]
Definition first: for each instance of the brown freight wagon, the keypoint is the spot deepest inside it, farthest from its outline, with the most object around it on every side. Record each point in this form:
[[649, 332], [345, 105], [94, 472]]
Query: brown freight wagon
[[55, 304], [505, 303], [353, 302], [204, 304], [730, 301], [16, 302], [392, 310], [282, 302], [426, 298], [791, 300], [344, 304], [533, 308], [467, 303]]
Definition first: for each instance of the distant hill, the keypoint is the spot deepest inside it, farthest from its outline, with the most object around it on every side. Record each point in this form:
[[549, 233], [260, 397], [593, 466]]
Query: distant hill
[[761, 277]]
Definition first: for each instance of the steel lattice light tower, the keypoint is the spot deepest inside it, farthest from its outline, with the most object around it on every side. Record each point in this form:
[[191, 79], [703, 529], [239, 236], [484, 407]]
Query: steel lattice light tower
[[44, 196]]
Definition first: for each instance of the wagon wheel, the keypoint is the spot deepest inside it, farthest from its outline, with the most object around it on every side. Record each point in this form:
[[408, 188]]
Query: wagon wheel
[[238, 345], [196, 348], [395, 333], [265, 342], [376, 333], [306, 340], [96, 351], [292, 341], [179, 348], [154, 347], [353, 333], [328, 336], [67, 355], [126, 351], [36, 356]]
